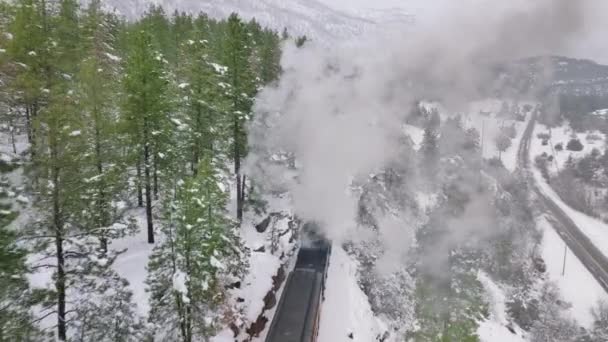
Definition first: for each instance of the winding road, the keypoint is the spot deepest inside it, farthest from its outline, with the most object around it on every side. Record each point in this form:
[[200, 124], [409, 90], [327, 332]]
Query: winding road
[[584, 249]]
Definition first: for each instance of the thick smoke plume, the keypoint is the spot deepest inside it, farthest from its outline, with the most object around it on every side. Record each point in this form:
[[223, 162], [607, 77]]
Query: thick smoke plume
[[340, 110]]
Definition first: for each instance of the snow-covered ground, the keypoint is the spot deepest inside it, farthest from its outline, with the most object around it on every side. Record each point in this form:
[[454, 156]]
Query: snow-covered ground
[[601, 112], [562, 135], [346, 309], [577, 286], [483, 115], [415, 133], [132, 264], [494, 329], [596, 230]]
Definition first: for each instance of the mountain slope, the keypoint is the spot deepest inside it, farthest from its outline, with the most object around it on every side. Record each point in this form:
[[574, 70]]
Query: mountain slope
[[309, 17]]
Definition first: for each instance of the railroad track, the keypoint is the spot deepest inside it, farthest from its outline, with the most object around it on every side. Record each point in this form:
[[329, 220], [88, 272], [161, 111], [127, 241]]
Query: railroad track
[[584, 249]]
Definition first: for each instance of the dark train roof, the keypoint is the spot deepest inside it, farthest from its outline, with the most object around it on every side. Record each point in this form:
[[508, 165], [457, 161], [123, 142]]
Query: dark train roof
[[314, 258], [294, 317]]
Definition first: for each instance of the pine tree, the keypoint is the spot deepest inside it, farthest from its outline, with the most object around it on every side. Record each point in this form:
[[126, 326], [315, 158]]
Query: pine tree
[[503, 142], [145, 112], [28, 49], [239, 76], [15, 295], [270, 55], [58, 157], [430, 149], [200, 255], [600, 322], [104, 171], [206, 103]]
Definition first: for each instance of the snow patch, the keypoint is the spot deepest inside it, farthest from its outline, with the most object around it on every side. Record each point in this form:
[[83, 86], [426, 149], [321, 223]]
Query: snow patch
[[113, 58], [577, 286], [346, 308]]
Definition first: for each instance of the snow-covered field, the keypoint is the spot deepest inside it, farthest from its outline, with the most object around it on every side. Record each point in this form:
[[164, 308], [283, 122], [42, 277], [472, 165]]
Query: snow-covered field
[[132, 264], [562, 135], [415, 133], [577, 286], [596, 230], [483, 116]]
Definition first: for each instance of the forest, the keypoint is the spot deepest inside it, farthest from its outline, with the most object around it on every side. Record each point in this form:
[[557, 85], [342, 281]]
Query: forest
[[118, 115]]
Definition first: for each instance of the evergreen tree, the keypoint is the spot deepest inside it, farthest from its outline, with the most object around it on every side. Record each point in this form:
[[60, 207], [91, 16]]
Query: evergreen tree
[[58, 158], [242, 90], [15, 295], [200, 255], [145, 111], [430, 149], [104, 170], [600, 322], [28, 49], [270, 55], [503, 142], [206, 104]]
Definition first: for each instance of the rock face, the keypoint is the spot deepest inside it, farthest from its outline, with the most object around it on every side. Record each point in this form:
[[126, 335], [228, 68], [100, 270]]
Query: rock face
[[258, 326], [270, 300], [278, 279], [263, 226]]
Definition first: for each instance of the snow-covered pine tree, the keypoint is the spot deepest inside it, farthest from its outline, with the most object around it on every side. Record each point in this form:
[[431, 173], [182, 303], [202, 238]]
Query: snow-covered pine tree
[[205, 103], [200, 254], [28, 50], [237, 53], [84, 281], [16, 322], [145, 113], [104, 168], [600, 322]]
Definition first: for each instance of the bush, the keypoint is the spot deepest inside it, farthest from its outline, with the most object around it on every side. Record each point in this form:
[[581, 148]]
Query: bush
[[510, 131], [575, 145], [543, 136], [559, 147], [541, 164], [593, 137], [6, 167]]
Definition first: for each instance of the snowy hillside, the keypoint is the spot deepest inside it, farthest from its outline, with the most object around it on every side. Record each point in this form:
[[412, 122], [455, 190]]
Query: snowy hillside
[[310, 17]]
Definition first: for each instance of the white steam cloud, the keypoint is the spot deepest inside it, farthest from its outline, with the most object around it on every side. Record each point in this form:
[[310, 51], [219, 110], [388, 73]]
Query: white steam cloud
[[340, 110]]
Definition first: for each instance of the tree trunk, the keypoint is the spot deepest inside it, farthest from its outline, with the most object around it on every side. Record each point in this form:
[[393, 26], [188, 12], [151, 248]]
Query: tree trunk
[[243, 188], [148, 185], [28, 123], [188, 311], [33, 114], [237, 171], [195, 142], [60, 281], [12, 130], [140, 195], [101, 201], [155, 173]]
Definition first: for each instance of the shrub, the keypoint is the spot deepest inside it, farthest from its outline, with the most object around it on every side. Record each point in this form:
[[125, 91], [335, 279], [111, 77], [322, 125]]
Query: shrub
[[593, 137], [559, 147], [544, 136], [575, 145], [510, 131]]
